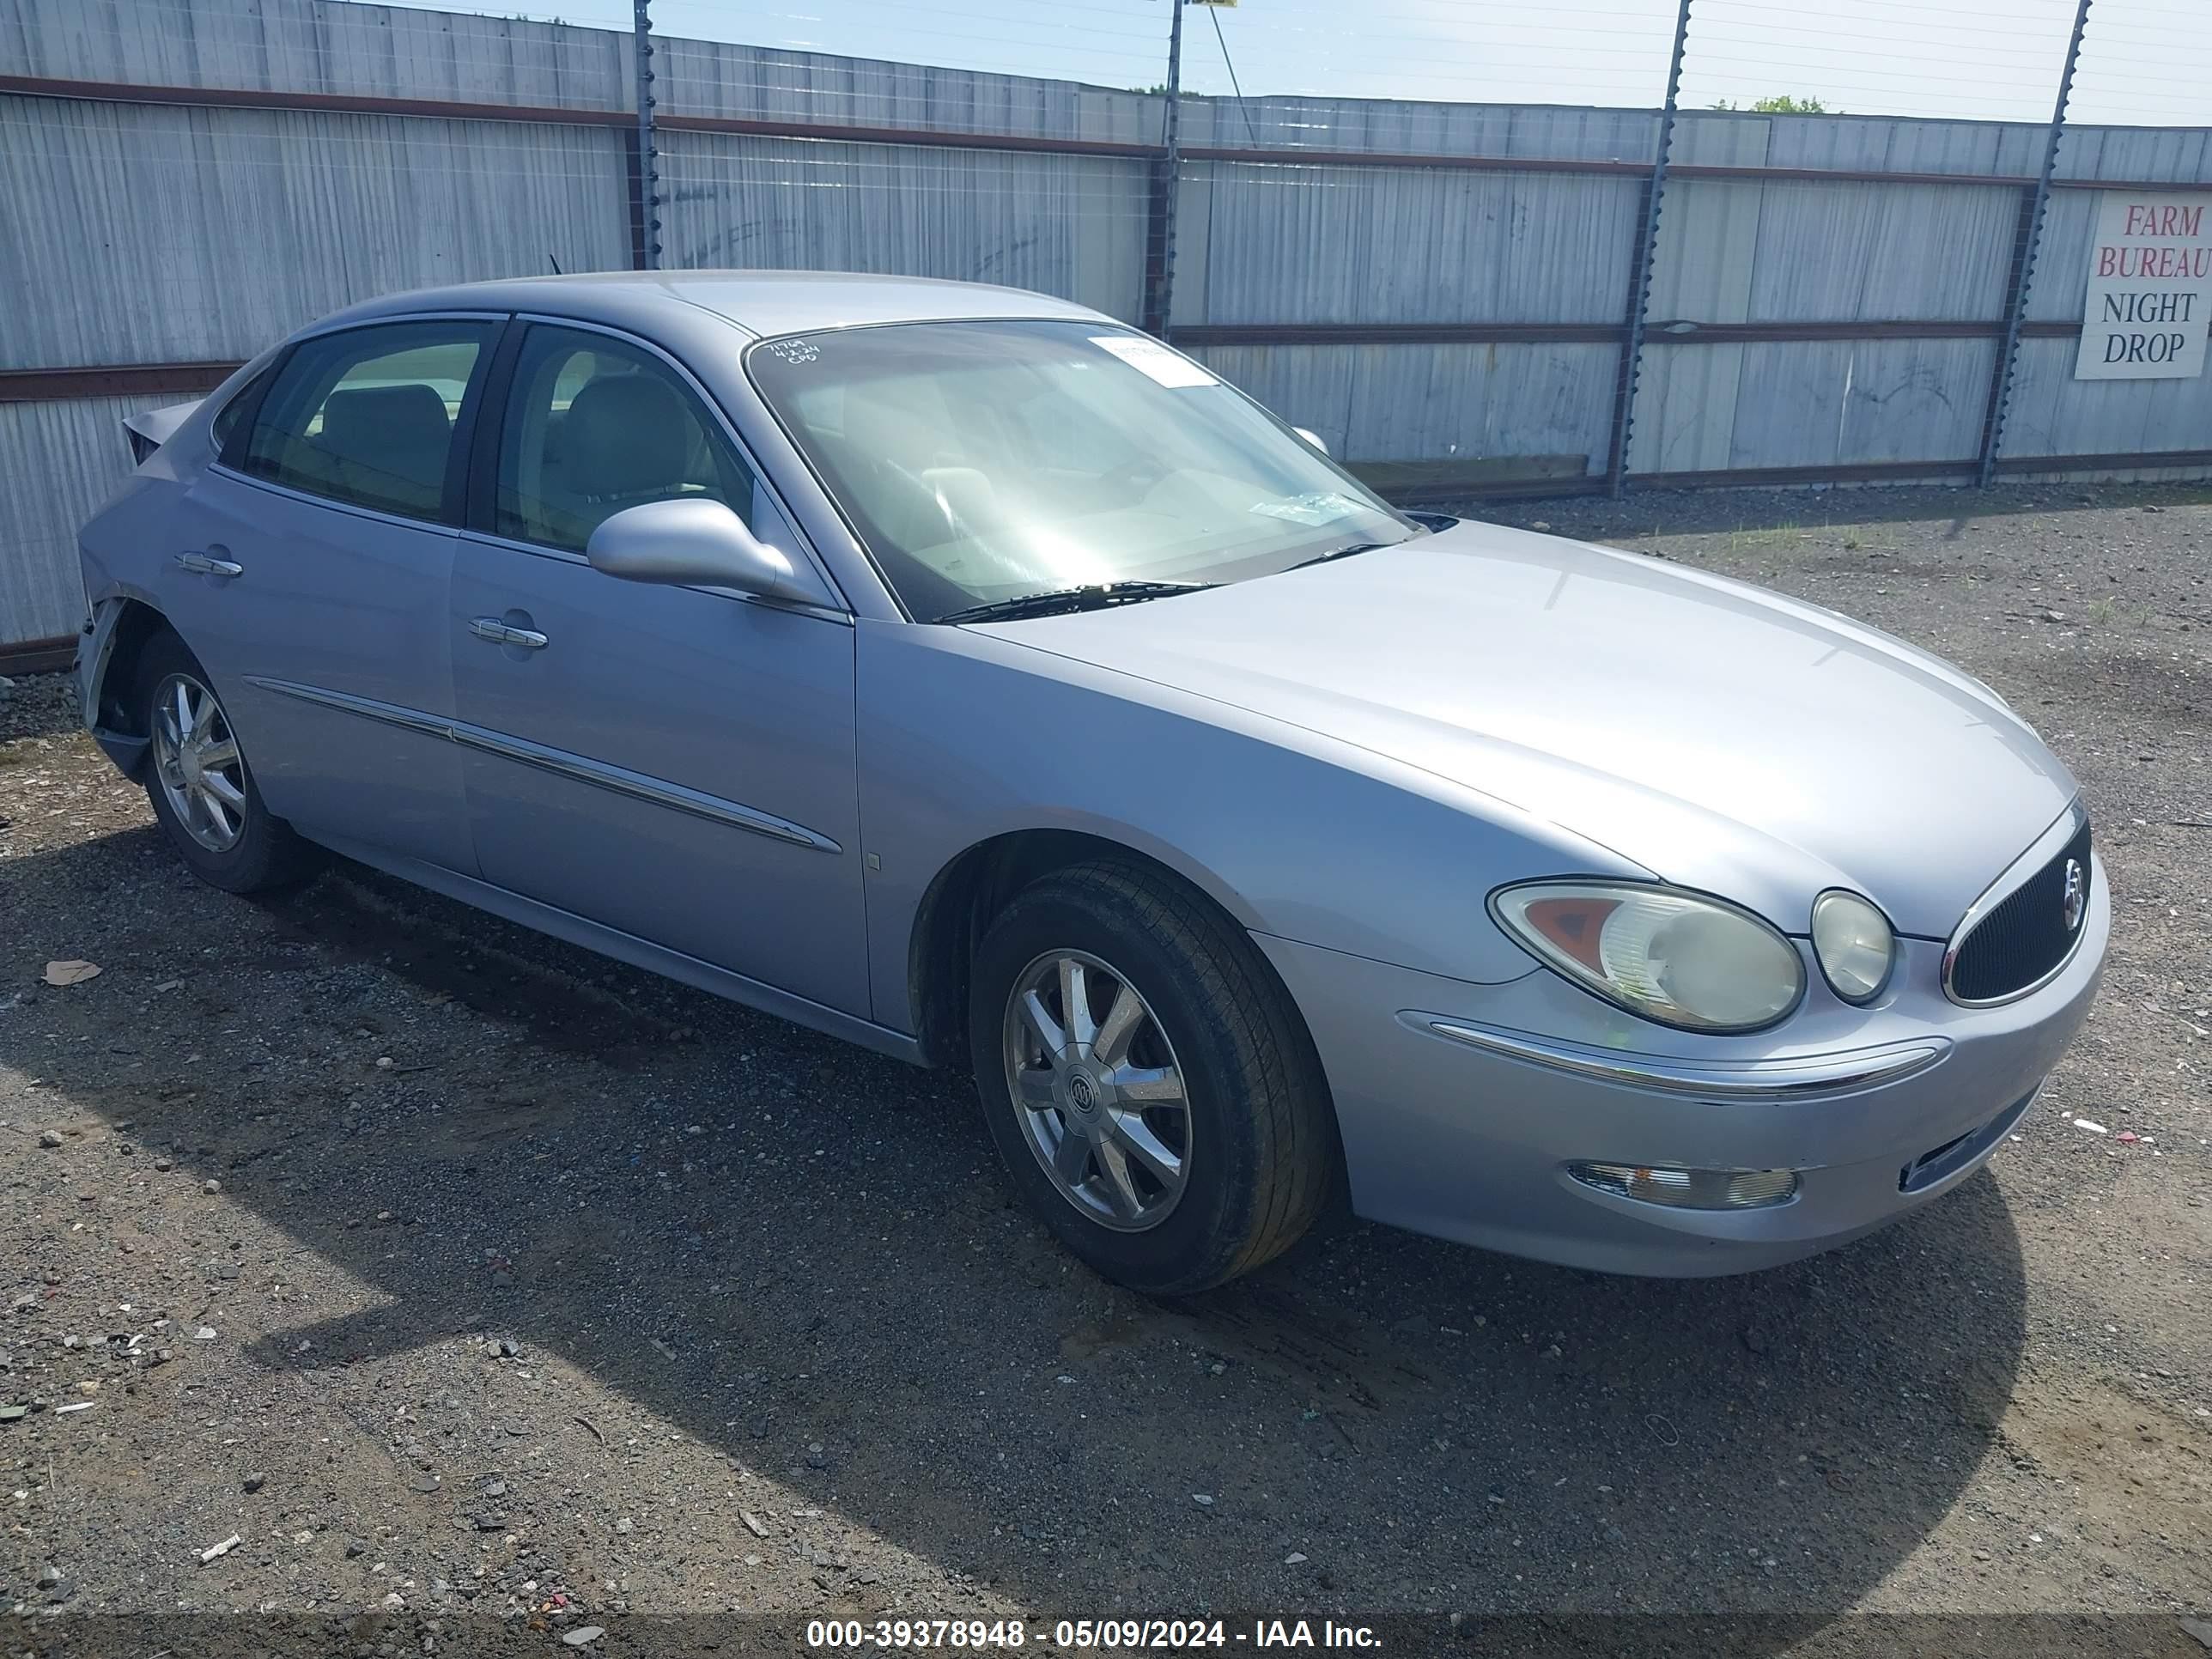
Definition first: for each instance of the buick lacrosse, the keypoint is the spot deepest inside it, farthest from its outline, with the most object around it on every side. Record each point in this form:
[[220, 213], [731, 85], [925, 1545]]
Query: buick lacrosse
[[961, 672]]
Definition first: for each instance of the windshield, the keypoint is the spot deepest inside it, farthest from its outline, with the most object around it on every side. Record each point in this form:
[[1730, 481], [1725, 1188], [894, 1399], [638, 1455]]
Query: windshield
[[987, 461]]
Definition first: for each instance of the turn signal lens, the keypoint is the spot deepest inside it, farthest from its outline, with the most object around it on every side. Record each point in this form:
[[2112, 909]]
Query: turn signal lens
[[1853, 942], [1690, 1189], [1682, 959]]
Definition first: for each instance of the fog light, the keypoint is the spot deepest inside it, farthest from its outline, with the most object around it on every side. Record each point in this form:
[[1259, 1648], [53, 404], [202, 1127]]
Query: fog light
[[1690, 1189]]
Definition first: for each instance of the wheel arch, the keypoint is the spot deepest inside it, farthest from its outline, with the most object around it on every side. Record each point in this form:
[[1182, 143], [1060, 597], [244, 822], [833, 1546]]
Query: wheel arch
[[968, 893], [121, 634], [960, 900]]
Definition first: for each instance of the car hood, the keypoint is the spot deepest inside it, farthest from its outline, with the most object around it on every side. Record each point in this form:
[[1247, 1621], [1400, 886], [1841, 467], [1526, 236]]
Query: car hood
[[1717, 735]]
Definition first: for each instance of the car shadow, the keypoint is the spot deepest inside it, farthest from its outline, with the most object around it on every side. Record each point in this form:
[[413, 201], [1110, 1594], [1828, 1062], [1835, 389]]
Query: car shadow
[[803, 1256]]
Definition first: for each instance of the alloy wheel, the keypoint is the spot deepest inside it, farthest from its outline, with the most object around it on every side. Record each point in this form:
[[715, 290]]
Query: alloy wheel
[[196, 759], [1098, 1089]]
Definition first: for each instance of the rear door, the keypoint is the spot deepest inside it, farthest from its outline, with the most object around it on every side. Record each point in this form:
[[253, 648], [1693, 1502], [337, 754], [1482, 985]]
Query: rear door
[[675, 763], [310, 572]]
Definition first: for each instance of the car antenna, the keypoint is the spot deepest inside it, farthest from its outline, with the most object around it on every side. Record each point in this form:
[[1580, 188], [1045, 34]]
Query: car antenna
[[555, 263]]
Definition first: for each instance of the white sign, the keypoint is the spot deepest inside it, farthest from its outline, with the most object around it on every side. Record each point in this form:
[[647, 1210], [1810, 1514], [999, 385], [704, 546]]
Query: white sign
[[2150, 288]]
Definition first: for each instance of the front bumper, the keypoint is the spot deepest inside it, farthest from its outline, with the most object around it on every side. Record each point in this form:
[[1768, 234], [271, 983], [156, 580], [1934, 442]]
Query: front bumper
[[1461, 1106]]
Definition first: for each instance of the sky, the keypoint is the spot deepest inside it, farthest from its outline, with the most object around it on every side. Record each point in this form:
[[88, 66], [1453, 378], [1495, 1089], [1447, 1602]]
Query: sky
[[2143, 61]]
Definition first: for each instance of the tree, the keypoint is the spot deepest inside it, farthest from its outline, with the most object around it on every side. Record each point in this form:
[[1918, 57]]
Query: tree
[[1780, 103]]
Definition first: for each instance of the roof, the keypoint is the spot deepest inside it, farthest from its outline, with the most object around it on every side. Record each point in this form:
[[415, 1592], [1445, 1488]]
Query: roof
[[762, 302]]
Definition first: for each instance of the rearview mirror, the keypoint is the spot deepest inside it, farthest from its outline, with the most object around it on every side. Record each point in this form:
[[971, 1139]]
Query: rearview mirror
[[692, 542], [1311, 437]]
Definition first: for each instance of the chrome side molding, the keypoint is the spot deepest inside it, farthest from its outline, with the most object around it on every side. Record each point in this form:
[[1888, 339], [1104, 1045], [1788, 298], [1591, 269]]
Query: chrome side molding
[[617, 780], [1752, 1079]]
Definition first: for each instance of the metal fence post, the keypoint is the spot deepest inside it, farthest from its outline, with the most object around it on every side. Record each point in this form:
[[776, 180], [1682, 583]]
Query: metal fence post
[[2029, 240], [1159, 237], [1639, 288], [645, 161]]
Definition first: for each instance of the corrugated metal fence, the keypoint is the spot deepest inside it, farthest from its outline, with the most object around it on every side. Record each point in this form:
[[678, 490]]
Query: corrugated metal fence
[[1442, 291]]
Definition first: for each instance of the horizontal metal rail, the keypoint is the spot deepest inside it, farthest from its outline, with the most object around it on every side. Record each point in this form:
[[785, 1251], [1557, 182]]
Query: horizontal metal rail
[[152, 379], [38, 656], [2125, 461], [1760, 477], [1675, 332], [28, 386], [1234, 334]]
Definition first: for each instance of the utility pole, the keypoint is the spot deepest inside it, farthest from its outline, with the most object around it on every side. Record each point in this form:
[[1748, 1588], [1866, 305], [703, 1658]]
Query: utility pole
[[644, 231], [2031, 238], [1159, 251]]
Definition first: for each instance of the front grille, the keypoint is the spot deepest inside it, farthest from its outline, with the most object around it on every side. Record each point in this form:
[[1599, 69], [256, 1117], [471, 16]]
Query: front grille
[[2024, 938]]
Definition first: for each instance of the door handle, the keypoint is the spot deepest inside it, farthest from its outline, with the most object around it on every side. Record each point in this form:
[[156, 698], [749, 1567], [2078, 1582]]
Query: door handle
[[492, 630], [206, 564]]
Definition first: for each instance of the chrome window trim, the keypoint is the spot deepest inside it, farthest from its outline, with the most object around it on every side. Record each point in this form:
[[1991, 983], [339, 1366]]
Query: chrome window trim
[[435, 526], [721, 418], [2043, 848], [1788, 1078], [637, 786]]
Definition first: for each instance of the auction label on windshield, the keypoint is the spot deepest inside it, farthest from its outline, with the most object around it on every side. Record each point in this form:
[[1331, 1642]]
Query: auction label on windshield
[[1322, 506], [1151, 357]]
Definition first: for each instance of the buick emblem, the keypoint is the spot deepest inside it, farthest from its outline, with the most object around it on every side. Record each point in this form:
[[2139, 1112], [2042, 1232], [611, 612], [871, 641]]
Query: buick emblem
[[1078, 1086], [2076, 897]]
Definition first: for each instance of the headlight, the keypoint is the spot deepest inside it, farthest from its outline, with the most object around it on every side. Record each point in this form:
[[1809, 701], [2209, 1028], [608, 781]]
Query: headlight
[[1680, 958], [1854, 944]]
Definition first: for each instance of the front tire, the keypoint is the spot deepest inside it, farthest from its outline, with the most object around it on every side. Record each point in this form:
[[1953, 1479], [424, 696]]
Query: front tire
[[201, 790], [1153, 1093]]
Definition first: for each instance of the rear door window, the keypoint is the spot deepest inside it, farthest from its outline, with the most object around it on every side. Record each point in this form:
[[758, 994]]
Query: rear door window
[[368, 416]]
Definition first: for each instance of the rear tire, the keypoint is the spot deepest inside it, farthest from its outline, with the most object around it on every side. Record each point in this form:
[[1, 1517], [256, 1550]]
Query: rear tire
[[202, 791], [1171, 1004]]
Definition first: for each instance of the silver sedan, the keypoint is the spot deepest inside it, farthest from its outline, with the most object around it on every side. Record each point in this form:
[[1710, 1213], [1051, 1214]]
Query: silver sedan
[[961, 672]]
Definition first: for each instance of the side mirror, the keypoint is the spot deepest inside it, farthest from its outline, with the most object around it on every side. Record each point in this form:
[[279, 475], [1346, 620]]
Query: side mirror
[[1311, 437], [693, 543]]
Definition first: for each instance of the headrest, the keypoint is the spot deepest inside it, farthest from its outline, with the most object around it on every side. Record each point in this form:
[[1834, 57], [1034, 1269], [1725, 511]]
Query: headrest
[[626, 434], [399, 433]]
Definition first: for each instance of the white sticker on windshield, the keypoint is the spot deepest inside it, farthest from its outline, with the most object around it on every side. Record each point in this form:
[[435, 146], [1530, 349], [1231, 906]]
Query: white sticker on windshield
[[1323, 506], [1151, 357]]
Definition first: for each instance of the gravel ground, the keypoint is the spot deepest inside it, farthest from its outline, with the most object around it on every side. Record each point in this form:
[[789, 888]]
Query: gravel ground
[[476, 1284]]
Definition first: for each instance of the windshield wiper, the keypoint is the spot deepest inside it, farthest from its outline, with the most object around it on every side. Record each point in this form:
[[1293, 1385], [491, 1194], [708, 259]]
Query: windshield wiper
[[1343, 552], [1092, 596]]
